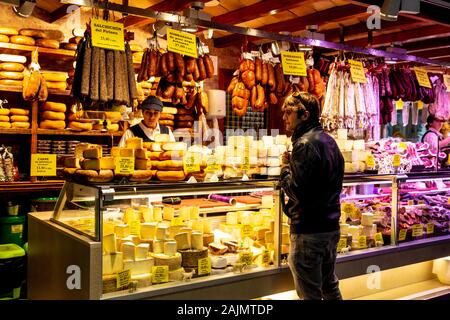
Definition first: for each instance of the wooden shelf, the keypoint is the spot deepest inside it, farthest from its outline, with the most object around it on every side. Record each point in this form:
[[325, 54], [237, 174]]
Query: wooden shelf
[[23, 49], [18, 89], [27, 186], [78, 133], [15, 131]]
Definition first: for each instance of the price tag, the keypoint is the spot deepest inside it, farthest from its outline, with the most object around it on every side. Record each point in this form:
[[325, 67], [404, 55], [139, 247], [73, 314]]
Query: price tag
[[107, 35], [293, 63], [266, 257], [123, 278], [212, 164], [421, 202], [191, 162], [379, 237], [246, 257], [294, 80], [430, 228], [255, 54], [448, 200], [43, 165], [410, 202], [205, 49], [246, 159], [204, 266], [417, 230], [362, 242], [399, 104], [267, 56], [341, 244], [402, 235], [275, 60], [246, 231], [370, 161], [403, 145], [357, 71], [447, 81], [160, 274], [17, 228], [124, 165], [135, 228], [422, 77], [182, 42], [177, 221], [396, 160]]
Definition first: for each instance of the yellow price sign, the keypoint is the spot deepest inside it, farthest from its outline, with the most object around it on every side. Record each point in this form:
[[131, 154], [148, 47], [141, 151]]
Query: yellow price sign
[[362, 242], [448, 200], [212, 164], [447, 81], [124, 165], [410, 202], [421, 202], [402, 145], [107, 35], [399, 104], [417, 230], [246, 231], [246, 257], [370, 161], [265, 257], [123, 278], [204, 266], [246, 159], [160, 274], [17, 228], [402, 235], [422, 77], [177, 221], [182, 42], [135, 228], [379, 237], [430, 228], [341, 244], [293, 63], [191, 162], [396, 160], [357, 72], [43, 165]]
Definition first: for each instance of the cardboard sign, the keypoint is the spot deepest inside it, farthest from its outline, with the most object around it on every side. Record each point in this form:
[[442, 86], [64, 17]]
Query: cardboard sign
[[246, 258], [43, 165], [402, 235], [182, 42], [341, 244], [204, 266], [362, 242], [123, 278], [124, 165], [430, 228], [447, 81], [417, 230], [191, 162], [293, 63], [370, 161], [379, 237], [422, 77], [160, 274], [246, 231], [357, 71], [107, 35], [396, 160], [212, 164]]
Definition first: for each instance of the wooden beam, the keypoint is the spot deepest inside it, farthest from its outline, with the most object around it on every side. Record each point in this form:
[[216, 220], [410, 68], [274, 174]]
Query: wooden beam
[[433, 53], [60, 13], [257, 10], [41, 14], [329, 15], [411, 35], [430, 44]]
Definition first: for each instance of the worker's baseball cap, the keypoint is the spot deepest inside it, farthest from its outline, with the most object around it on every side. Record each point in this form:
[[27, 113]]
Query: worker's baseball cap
[[152, 103]]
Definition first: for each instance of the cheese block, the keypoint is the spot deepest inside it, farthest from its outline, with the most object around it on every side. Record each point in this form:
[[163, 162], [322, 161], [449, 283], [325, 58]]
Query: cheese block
[[182, 240], [268, 140], [232, 218], [170, 248], [79, 149], [168, 213], [54, 76], [129, 216], [344, 228], [218, 262], [143, 266], [173, 262], [207, 227], [148, 230], [342, 134], [197, 225], [185, 213], [368, 231], [367, 219], [142, 251], [169, 110], [157, 213], [93, 152], [134, 143], [197, 240], [140, 154], [72, 162], [281, 139], [208, 238], [190, 257], [146, 213], [176, 275], [109, 243], [217, 248], [122, 152], [122, 230], [108, 228], [57, 85], [195, 212], [141, 164], [359, 145], [128, 250], [112, 263], [161, 232], [268, 236], [273, 171], [161, 138], [260, 232], [351, 167], [355, 231], [158, 246]]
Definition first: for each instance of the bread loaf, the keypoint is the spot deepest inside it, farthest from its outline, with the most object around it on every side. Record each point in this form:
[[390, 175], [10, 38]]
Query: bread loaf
[[52, 115], [170, 175], [19, 112], [4, 38], [46, 43], [53, 106], [33, 33], [12, 66], [8, 31], [24, 40], [20, 125], [52, 124], [16, 118], [11, 75]]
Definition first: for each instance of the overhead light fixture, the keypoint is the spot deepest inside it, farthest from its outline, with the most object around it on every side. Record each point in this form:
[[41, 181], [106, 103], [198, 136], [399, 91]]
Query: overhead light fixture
[[390, 9], [304, 47], [25, 8], [189, 28], [272, 12]]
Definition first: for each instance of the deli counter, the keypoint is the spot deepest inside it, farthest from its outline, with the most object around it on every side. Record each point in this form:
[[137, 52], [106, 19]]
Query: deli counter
[[227, 240]]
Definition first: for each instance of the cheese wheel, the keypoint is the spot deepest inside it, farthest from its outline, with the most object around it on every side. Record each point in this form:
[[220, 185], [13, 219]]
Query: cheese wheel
[[8, 31], [75, 40], [47, 43], [166, 116], [12, 66], [170, 165], [167, 123], [12, 83], [141, 175], [4, 112], [4, 38], [170, 110], [183, 111], [96, 176], [184, 117], [185, 124], [28, 41], [33, 33], [11, 75], [16, 118], [53, 106], [52, 115], [80, 126], [57, 85], [174, 146], [170, 175], [52, 124], [6, 125], [135, 47], [113, 127], [171, 155], [54, 76], [113, 115], [20, 125], [19, 112], [137, 56], [12, 58], [69, 46], [4, 118]]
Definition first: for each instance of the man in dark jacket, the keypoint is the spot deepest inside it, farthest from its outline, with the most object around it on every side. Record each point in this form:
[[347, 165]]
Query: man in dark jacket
[[312, 180]]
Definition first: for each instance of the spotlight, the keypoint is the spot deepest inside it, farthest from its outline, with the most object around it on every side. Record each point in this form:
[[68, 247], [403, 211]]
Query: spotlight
[[25, 8], [390, 10]]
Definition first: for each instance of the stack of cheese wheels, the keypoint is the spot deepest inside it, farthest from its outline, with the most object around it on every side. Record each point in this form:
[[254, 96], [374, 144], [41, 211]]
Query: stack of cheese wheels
[[170, 164], [5, 33], [112, 121], [52, 115], [137, 51], [11, 69], [184, 119], [146, 88], [55, 79], [19, 118], [167, 117], [89, 165], [77, 122], [4, 118]]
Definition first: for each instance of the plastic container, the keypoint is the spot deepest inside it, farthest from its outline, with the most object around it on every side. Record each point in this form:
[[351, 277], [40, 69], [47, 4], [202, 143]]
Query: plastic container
[[11, 230], [12, 270]]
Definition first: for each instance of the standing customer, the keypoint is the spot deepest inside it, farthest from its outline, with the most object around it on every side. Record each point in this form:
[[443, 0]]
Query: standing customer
[[312, 180], [433, 136]]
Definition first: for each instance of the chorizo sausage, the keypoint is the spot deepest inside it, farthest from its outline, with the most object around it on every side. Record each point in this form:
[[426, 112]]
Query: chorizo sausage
[[201, 69], [258, 70], [209, 65]]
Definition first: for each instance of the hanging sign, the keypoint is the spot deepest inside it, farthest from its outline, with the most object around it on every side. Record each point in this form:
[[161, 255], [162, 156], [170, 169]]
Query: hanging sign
[[422, 77], [43, 165], [191, 162], [204, 266], [293, 63], [124, 165], [123, 278], [160, 274], [357, 71], [447, 81], [107, 35], [182, 42]]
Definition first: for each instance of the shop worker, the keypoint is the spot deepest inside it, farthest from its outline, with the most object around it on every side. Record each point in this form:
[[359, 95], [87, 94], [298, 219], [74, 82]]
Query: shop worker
[[311, 178], [149, 127], [433, 135]]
